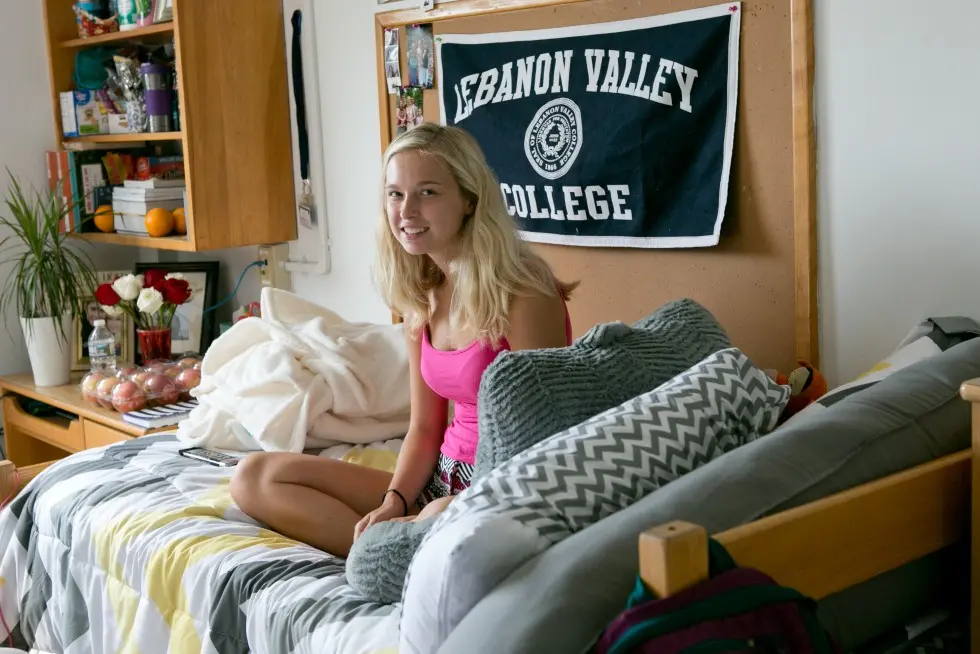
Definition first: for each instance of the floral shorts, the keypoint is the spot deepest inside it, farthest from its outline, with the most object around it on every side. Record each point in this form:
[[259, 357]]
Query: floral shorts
[[451, 477]]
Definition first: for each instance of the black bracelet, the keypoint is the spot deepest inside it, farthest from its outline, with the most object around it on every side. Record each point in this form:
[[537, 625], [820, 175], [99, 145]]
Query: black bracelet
[[400, 496]]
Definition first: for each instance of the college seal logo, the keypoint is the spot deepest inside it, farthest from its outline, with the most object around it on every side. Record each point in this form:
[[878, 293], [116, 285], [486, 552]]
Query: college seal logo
[[554, 138]]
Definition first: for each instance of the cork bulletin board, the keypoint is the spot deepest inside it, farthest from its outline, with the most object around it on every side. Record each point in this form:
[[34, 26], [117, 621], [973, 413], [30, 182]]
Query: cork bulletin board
[[760, 279]]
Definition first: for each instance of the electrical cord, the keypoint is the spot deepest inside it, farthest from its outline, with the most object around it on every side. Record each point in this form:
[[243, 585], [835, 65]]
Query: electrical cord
[[257, 262]]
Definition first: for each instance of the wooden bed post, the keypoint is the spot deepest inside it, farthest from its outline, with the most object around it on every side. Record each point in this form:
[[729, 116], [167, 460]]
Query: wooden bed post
[[8, 480], [673, 556], [13, 479], [975, 536], [970, 391]]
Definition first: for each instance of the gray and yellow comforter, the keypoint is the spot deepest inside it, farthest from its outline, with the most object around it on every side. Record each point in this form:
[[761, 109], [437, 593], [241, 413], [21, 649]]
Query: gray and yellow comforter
[[133, 548]]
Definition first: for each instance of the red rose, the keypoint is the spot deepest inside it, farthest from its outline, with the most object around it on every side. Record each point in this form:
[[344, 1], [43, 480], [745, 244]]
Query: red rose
[[175, 291], [154, 279], [106, 296]]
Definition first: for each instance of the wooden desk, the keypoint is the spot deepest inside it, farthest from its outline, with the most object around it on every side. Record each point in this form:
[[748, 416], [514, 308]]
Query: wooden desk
[[33, 439]]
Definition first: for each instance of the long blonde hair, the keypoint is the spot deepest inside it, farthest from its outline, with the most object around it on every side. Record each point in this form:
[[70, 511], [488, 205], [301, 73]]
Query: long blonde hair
[[493, 263]]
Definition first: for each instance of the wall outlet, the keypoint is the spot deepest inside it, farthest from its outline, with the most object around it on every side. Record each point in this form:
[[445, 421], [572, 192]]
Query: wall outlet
[[274, 273]]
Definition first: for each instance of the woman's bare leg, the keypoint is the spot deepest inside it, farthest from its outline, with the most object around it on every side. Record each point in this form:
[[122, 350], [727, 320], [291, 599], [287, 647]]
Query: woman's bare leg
[[312, 499]]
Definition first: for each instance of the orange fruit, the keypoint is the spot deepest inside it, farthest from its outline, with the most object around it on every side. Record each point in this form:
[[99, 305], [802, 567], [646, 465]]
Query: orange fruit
[[159, 222], [180, 221], [104, 218]]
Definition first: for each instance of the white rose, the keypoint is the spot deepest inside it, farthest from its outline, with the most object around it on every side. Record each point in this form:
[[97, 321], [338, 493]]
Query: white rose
[[112, 311], [128, 286], [150, 300]]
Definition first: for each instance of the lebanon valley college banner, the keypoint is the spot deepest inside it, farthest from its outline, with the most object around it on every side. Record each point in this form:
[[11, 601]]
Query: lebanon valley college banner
[[613, 134]]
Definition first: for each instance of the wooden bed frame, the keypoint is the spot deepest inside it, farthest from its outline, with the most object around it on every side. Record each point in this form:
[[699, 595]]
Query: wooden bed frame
[[13, 479], [844, 539]]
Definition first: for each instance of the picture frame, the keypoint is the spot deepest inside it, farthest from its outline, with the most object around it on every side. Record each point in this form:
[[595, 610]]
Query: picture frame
[[420, 52], [121, 327], [193, 328]]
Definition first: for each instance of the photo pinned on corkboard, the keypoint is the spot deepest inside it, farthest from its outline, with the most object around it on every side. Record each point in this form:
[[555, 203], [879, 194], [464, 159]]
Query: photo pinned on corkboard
[[393, 75], [420, 52], [409, 110]]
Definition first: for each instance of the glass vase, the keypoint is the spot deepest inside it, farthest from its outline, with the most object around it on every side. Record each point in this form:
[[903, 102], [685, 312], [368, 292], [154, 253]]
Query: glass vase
[[154, 343]]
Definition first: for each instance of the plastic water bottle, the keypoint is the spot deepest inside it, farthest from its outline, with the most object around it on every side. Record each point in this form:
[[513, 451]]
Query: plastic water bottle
[[101, 348]]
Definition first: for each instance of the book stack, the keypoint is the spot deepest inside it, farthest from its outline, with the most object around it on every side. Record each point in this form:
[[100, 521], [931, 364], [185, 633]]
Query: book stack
[[132, 201]]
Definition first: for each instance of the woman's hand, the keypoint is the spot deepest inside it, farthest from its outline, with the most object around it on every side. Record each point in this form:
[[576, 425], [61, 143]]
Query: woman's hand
[[380, 514], [390, 509]]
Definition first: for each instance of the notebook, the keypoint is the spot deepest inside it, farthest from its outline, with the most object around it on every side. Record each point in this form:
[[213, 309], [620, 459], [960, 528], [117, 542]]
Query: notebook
[[160, 416]]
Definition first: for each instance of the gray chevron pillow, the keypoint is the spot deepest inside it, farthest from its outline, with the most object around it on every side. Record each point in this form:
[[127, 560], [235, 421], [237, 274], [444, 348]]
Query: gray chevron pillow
[[577, 477], [607, 366]]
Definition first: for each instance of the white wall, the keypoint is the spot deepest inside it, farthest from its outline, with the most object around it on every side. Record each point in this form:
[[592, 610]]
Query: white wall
[[898, 171], [351, 146], [25, 133]]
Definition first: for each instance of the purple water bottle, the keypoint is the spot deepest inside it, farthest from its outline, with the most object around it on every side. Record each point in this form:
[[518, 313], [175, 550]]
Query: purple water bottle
[[157, 97]]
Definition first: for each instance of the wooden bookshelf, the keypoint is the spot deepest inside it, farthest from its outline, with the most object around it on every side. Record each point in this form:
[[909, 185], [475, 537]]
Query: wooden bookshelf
[[235, 136]]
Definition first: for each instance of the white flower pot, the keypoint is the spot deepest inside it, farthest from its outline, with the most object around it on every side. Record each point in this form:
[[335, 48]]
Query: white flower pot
[[50, 353]]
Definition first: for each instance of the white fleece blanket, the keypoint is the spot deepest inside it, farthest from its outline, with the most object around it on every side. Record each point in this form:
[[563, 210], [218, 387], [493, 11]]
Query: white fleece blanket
[[300, 377]]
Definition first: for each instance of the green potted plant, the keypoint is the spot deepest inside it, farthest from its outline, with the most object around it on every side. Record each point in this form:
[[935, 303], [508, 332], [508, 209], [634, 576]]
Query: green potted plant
[[48, 280]]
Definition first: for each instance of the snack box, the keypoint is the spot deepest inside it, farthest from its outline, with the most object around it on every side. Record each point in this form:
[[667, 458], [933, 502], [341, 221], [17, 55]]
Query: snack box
[[158, 383], [83, 112]]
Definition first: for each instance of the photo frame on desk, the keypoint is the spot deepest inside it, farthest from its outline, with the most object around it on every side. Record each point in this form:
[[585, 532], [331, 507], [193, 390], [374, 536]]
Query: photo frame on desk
[[192, 327], [81, 326]]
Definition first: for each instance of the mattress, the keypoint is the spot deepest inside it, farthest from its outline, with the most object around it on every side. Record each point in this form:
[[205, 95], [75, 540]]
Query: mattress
[[132, 547]]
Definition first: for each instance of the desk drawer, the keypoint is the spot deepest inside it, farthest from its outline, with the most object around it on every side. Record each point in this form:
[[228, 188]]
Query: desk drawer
[[97, 435], [55, 430]]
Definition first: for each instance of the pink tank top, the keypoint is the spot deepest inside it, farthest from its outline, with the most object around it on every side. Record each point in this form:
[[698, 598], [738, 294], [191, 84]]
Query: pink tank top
[[455, 375]]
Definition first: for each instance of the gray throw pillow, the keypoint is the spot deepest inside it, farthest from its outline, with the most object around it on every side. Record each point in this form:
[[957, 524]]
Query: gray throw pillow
[[378, 561], [527, 396]]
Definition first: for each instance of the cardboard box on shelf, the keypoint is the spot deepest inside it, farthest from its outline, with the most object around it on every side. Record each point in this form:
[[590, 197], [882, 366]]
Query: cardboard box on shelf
[[83, 113]]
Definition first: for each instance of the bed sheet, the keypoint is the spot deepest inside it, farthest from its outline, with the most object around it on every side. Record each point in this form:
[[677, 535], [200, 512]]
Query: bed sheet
[[134, 548]]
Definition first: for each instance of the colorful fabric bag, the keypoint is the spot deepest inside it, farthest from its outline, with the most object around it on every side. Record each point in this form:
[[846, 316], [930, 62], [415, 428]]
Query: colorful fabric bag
[[734, 610]]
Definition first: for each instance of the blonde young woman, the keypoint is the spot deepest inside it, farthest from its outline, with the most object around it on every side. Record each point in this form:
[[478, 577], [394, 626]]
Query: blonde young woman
[[451, 262]]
